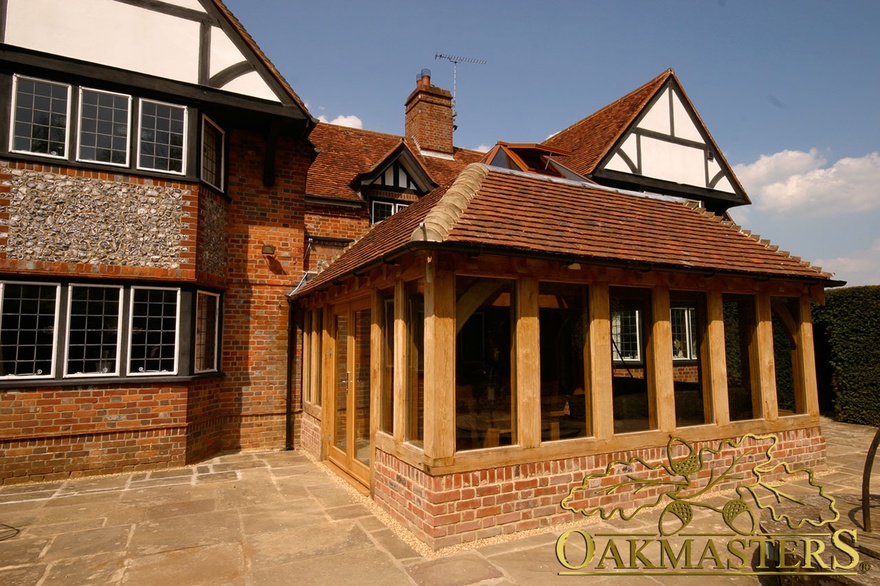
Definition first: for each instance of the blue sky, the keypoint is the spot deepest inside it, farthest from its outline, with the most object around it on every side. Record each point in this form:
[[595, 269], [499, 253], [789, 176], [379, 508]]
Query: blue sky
[[789, 90]]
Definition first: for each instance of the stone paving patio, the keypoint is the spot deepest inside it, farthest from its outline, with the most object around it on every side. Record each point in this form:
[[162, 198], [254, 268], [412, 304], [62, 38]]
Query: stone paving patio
[[280, 518]]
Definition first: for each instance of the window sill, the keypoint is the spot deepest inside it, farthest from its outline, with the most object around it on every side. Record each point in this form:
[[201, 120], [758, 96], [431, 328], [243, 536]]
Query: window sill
[[14, 384]]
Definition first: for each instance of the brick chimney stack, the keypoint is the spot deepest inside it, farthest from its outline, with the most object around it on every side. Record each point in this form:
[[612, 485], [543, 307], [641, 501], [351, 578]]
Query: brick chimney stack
[[429, 116]]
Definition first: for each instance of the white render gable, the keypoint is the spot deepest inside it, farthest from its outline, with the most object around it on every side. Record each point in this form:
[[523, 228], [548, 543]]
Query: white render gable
[[666, 143], [163, 39]]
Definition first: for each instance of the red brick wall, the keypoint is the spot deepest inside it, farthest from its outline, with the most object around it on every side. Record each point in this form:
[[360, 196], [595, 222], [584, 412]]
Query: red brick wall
[[456, 508], [52, 433], [253, 395], [56, 432]]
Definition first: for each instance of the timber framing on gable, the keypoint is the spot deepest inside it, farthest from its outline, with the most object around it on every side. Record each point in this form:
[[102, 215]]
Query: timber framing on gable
[[667, 149], [211, 49]]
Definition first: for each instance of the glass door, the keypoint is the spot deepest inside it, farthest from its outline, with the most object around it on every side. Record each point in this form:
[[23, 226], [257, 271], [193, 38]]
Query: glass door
[[350, 441]]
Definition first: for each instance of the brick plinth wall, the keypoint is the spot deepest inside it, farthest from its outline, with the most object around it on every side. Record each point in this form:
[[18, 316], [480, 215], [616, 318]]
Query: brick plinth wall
[[310, 434], [456, 508]]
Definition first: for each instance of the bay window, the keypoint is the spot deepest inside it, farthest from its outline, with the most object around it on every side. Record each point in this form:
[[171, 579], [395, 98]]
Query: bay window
[[100, 331], [111, 128]]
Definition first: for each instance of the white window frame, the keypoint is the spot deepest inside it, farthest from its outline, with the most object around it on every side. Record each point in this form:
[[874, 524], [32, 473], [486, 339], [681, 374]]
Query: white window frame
[[12, 119], [128, 370], [79, 129], [119, 356], [395, 207], [53, 360], [221, 155], [616, 338], [141, 102], [690, 353], [218, 309]]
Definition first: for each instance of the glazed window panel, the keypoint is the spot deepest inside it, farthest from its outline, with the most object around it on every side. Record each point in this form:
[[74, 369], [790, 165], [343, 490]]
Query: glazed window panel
[[626, 335], [386, 400], [382, 210], [40, 117], [790, 390], [104, 119], [630, 319], [153, 331], [564, 335], [684, 333], [162, 137], [316, 355], [28, 326], [415, 381], [740, 321], [484, 376], [213, 154], [693, 397], [94, 331], [207, 331]]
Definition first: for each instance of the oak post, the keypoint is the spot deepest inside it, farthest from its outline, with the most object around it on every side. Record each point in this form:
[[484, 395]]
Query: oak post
[[807, 361], [715, 362], [439, 442], [528, 364], [600, 362], [401, 360], [661, 384], [766, 371]]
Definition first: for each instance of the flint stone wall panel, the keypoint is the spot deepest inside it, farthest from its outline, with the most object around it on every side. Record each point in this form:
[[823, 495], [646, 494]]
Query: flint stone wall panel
[[61, 218]]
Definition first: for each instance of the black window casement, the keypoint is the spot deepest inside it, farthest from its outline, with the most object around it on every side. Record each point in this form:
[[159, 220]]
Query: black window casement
[[91, 126], [71, 331]]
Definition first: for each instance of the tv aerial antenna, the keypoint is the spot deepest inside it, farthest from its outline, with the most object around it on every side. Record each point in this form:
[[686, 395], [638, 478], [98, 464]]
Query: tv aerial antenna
[[455, 61]]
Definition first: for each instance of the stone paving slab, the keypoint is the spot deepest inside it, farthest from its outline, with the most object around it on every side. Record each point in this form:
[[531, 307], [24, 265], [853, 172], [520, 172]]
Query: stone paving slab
[[266, 518]]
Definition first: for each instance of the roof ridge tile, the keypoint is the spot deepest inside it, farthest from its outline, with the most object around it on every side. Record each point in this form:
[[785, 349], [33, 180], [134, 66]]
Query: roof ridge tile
[[444, 215]]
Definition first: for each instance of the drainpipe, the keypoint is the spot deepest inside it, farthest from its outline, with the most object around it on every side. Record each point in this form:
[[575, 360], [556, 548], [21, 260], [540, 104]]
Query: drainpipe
[[291, 349]]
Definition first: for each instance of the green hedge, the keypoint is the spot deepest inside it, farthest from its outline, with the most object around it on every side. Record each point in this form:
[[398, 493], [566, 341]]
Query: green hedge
[[847, 337]]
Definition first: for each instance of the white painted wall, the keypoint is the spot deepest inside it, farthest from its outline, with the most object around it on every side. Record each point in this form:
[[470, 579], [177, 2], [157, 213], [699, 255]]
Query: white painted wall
[[672, 162], [128, 37], [657, 118], [684, 126]]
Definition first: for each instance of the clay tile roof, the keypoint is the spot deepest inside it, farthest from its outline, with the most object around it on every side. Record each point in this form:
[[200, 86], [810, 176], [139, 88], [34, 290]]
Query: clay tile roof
[[590, 139], [506, 211], [345, 153]]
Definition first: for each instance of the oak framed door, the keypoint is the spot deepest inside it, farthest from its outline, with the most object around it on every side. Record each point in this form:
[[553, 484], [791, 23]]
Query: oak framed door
[[349, 446]]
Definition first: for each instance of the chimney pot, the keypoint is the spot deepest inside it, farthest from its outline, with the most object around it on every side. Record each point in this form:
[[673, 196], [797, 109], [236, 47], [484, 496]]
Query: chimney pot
[[424, 78]]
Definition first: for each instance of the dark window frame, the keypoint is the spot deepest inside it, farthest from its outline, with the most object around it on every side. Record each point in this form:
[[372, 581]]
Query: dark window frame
[[218, 179], [190, 165], [185, 335]]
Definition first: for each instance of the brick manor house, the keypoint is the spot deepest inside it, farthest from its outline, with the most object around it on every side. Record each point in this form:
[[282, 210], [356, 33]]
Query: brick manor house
[[191, 264]]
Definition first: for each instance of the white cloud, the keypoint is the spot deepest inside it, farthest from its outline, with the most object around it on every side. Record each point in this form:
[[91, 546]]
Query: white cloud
[[860, 267], [341, 120], [483, 148], [795, 182]]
